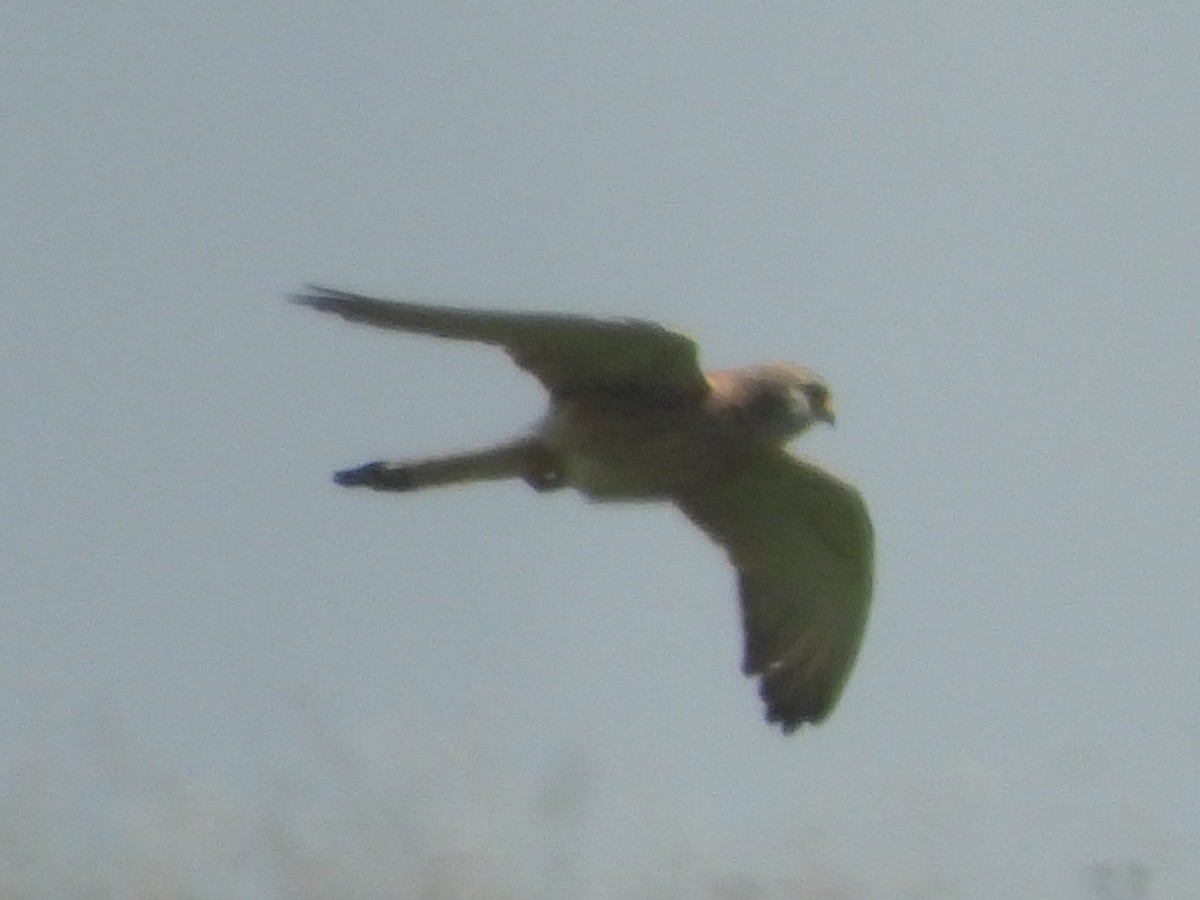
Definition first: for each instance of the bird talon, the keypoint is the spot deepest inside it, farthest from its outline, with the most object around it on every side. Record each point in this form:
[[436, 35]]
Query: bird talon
[[545, 480], [544, 472]]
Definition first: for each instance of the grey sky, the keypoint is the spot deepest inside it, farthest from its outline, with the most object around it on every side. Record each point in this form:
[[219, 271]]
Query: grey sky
[[980, 222]]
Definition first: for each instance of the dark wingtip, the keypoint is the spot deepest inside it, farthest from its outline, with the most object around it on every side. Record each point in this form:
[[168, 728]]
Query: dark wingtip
[[790, 710], [790, 725]]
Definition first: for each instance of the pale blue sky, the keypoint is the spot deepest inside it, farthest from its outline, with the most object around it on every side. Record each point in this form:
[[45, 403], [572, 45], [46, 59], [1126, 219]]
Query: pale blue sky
[[226, 677]]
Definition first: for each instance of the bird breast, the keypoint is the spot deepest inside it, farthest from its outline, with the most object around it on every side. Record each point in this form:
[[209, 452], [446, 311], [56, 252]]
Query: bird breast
[[633, 452]]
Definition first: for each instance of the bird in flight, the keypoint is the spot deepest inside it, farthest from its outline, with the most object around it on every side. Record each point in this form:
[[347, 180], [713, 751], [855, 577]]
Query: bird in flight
[[633, 417]]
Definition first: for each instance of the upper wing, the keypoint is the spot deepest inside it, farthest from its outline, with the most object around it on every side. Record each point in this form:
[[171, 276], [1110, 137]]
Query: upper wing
[[803, 546], [566, 353]]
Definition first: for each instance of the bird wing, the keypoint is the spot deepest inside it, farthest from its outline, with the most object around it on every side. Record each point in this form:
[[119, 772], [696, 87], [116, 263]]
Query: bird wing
[[802, 542], [567, 353]]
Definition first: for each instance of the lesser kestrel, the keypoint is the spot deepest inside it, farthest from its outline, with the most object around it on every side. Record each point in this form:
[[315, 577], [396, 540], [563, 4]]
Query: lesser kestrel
[[633, 417]]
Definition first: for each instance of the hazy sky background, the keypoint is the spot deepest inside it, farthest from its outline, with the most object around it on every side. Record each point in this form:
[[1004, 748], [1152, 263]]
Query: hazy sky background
[[224, 677]]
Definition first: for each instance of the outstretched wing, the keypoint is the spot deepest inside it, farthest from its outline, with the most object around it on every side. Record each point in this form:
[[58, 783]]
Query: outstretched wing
[[568, 354], [803, 546]]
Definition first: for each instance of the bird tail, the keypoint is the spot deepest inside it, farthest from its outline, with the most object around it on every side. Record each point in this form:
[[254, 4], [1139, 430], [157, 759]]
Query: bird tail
[[518, 459]]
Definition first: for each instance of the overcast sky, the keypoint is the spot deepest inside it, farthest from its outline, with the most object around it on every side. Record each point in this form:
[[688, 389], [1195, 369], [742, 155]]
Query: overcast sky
[[222, 676]]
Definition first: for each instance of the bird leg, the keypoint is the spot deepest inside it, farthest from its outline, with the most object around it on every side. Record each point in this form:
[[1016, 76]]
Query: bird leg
[[543, 469]]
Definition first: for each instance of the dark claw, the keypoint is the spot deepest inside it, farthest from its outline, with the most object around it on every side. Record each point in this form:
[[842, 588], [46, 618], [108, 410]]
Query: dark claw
[[545, 480]]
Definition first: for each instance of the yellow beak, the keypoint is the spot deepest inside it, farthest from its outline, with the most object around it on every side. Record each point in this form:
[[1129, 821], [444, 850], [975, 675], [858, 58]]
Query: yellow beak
[[826, 412]]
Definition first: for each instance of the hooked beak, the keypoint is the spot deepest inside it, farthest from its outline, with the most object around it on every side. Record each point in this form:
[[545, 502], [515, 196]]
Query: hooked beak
[[826, 413]]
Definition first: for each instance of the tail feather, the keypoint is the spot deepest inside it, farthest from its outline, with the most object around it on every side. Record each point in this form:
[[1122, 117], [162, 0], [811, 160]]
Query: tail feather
[[513, 460]]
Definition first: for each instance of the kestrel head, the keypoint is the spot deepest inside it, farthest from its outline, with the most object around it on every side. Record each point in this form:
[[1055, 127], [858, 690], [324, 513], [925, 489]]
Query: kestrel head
[[784, 399]]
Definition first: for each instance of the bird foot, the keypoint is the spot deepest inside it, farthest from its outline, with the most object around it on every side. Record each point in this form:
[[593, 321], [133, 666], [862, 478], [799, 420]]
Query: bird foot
[[544, 472]]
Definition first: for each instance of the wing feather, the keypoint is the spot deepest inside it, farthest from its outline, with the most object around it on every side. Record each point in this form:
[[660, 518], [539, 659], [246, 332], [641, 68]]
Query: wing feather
[[567, 353], [802, 542]]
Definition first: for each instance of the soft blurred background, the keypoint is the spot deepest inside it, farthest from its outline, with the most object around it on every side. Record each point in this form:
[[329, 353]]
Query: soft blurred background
[[223, 677]]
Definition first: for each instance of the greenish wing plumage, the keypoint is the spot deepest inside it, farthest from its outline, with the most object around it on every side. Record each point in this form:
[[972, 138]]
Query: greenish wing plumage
[[802, 542], [567, 353]]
